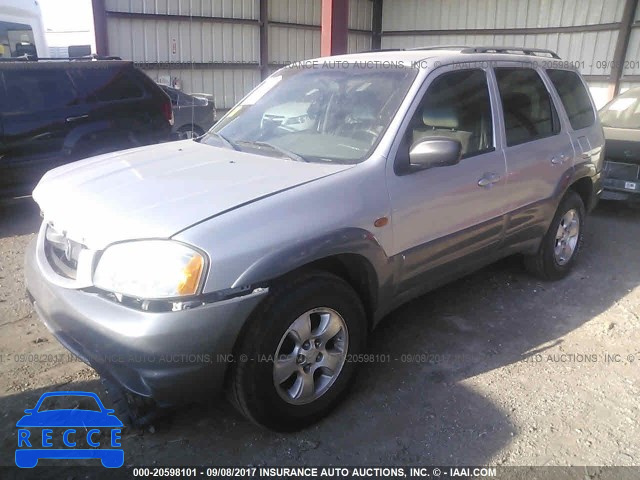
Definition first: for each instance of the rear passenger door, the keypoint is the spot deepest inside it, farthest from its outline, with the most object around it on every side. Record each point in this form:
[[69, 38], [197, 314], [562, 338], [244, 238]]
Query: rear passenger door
[[586, 134], [538, 149], [119, 114]]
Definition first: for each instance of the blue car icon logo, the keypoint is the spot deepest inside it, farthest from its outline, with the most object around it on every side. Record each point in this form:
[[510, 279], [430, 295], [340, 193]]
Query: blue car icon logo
[[69, 433]]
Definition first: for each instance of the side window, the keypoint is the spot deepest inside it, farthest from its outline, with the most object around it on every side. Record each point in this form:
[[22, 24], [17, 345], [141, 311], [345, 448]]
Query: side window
[[456, 105], [529, 113], [574, 97], [36, 90]]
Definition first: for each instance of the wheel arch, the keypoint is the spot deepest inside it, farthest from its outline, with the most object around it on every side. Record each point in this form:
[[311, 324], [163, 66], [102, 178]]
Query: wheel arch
[[585, 188], [352, 254]]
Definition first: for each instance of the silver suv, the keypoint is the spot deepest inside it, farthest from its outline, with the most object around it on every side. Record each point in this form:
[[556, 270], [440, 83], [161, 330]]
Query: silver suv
[[259, 256]]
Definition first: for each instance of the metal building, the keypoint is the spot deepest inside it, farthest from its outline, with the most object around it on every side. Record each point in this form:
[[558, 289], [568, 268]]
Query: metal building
[[225, 47], [591, 34]]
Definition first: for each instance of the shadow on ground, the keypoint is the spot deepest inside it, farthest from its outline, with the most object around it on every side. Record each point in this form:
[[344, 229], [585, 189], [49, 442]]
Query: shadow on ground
[[414, 410], [19, 217]]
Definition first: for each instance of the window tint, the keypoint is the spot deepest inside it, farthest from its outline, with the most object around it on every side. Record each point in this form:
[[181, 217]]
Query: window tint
[[108, 84], [457, 106], [529, 113], [574, 98], [34, 90]]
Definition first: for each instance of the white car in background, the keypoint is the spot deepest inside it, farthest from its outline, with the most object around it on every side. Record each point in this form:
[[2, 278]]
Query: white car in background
[[292, 116]]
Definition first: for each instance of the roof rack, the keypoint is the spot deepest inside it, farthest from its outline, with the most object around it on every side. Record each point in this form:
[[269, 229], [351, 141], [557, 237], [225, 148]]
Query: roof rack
[[439, 47], [512, 50], [31, 58]]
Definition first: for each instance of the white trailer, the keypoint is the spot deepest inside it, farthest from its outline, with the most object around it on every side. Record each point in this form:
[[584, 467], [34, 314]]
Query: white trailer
[[21, 29]]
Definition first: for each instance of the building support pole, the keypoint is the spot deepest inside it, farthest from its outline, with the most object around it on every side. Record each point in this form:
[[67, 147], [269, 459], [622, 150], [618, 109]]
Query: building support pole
[[620, 53], [100, 27], [376, 25], [264, 39], [334, 30]]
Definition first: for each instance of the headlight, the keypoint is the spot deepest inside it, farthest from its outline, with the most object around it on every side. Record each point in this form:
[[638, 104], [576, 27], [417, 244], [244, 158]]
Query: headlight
[[150, 269]]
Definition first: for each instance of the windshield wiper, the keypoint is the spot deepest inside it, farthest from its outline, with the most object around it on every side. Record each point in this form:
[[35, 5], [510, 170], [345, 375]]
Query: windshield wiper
[[225, 140], [287, 153]]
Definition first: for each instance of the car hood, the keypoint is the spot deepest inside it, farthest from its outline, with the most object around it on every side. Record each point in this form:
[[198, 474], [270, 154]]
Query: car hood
[[622, 144], [157, 191]]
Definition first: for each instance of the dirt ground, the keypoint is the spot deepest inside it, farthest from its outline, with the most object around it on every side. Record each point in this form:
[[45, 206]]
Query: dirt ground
[[497, 368]]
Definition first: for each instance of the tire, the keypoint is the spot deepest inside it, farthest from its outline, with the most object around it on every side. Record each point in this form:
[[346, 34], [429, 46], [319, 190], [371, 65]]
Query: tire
[[326, 301], [188, 131], [546, 263], [132, 410]]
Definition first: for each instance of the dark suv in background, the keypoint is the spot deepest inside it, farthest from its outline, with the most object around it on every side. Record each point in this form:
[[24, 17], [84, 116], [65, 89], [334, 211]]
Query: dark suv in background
[[56, 112]]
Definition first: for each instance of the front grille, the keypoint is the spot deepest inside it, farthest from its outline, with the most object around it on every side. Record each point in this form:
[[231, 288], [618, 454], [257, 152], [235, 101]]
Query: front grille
[[621, 171], [62, 253]]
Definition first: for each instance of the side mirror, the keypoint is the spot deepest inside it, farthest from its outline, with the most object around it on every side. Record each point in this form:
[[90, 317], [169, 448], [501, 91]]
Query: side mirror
[[434, 152]]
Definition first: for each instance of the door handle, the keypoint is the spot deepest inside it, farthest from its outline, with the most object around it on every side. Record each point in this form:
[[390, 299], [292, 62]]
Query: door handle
[[75, 119], [488, 179]]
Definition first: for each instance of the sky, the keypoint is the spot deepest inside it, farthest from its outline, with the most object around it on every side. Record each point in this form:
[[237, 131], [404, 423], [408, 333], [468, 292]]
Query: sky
[[68, 22]]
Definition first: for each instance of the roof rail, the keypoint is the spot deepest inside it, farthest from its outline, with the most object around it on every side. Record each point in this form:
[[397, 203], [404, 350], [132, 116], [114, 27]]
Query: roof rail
[[439, 47], [384, 50], [512, 50], [31, 58]]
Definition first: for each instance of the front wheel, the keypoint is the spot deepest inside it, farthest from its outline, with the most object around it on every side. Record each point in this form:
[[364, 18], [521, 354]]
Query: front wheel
[[562, 243], [293, 359]]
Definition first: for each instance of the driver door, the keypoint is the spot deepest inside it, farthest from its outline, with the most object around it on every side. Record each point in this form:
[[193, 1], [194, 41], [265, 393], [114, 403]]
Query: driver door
[[453, 212]]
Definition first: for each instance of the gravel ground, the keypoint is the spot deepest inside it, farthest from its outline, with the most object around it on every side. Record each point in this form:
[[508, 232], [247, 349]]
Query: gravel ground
[[496, 368]]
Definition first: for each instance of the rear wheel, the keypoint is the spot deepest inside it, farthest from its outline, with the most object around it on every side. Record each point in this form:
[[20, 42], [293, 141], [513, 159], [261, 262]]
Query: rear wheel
[[190, 131], [293, 359], [562, 243]]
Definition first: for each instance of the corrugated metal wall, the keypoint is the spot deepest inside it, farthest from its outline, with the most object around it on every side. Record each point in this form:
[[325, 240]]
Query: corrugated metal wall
[[294, 30], [206, 46], [584, 32], [213, 46]]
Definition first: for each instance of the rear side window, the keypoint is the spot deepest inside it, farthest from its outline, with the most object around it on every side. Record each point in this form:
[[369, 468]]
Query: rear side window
[[574, 97], [108, 84], [35, 90], [529, 113]]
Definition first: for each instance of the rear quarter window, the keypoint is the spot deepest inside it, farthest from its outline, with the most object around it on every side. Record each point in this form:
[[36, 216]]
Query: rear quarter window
[[574, 97], [108, 84]]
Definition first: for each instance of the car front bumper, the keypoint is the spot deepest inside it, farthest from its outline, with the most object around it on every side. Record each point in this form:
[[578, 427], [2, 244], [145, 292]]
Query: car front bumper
[[172, 357]]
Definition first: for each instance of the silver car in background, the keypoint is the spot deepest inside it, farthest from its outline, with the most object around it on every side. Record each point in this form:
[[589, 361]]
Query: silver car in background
[[258, 257], [193, 115]]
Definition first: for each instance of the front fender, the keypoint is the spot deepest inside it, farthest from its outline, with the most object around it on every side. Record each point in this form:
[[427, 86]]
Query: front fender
[[352, 241]]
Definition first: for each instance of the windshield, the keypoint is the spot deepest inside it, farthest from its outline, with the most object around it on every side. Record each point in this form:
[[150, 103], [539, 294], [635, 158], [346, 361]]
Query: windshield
[[318, 114], [623, 111], [16, 39]]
